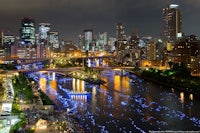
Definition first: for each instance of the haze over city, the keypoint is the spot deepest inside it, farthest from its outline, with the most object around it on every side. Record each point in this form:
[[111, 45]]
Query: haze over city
[[71, 17]]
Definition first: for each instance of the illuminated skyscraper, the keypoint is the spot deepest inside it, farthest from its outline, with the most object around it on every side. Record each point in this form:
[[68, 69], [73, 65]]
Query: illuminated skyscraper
[[88, 37], [111, 43], [27, 31], [7, 40], [81, 41], [53, 39], [134, 41], [102, 40], [151, 51], [120, 33], [43, 32], [172, 23]]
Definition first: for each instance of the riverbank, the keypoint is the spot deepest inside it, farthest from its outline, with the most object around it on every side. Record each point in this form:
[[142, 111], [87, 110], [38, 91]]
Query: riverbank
[[40, 107], [180, 84], [169, 85]]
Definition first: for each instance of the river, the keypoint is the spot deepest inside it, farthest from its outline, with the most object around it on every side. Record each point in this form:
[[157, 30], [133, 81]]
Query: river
[[121, 106]]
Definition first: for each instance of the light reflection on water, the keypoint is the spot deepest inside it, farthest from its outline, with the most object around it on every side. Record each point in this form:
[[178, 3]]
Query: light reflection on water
[[191, 97], [130, 107], [182, 97]]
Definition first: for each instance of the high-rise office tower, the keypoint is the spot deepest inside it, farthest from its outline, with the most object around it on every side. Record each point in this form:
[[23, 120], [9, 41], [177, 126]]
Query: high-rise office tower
[[111, 43], [120, 33], [172, 23], [151, 51], [88, 38], [121, 42], [8, 41], [81, 41], [134, 41], [53, 39], [27, 31], [43, 32], [102, 40]]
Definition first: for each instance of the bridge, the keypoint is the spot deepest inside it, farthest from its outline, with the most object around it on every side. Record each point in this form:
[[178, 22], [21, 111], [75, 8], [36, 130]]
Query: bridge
[[79, 72], [50, 58], [70, 69], [28, 63], [63, 71]]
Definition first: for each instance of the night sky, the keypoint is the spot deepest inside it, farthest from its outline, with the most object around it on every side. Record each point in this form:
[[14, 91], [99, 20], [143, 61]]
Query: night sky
[[71, 17]]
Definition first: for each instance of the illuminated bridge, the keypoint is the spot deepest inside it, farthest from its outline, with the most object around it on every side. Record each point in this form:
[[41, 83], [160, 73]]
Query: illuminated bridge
[[50, 58]]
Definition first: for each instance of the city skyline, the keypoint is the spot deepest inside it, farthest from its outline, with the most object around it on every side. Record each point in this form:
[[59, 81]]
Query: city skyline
[[70, 18]]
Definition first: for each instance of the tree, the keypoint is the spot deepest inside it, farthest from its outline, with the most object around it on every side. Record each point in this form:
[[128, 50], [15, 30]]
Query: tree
[[181, 70]]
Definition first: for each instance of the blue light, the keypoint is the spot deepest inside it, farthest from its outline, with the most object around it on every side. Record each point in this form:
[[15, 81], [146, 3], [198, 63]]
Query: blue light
[[22, 42]]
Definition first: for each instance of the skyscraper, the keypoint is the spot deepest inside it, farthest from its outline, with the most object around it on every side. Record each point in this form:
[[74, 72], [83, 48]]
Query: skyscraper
[[54, 40], [121, 41], [111, 43], [120, 33], [134, 41], [151, 51], [27, 31], [8, 40], [88, 38], [43, 32], [102, 40], [172, 23]]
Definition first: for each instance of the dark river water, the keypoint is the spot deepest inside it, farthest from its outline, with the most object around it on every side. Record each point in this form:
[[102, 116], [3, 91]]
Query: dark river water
[[121, 106]]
